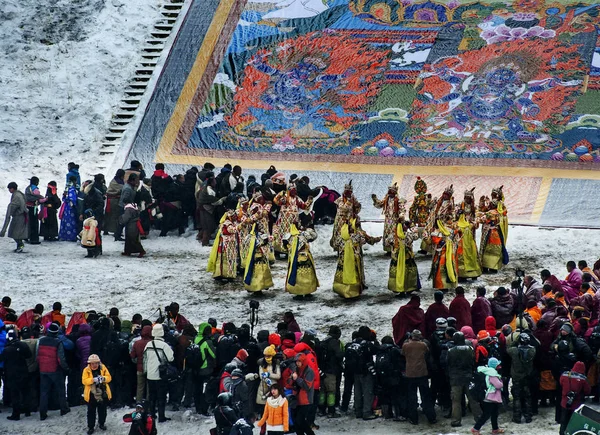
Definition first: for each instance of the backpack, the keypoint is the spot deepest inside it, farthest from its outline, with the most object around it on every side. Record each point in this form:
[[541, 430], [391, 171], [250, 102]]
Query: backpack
[[384, 366], [478, 387], [193, 357], [594, 342], [353, 357], [112, 352]]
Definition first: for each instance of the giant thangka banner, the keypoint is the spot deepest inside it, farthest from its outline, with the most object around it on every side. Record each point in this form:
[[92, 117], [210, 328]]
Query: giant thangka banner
[[467, 93]]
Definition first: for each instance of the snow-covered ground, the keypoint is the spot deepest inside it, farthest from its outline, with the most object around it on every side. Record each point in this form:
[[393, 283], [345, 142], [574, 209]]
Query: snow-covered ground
[[175, 271], [63, 67]]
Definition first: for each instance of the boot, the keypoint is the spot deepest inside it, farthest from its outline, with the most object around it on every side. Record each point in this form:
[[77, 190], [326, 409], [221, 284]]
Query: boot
[[90, 254], [386, 411], [332, 413]]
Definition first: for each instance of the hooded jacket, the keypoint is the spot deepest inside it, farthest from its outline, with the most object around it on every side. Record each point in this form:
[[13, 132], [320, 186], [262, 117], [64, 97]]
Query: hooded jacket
[[503, 308], [83, 344], [576, 381], [461, 362], [207, 348], [137, 352]]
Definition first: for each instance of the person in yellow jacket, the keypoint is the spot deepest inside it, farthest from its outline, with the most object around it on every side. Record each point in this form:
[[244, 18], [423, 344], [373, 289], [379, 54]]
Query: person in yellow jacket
[[96, 392], [276, 414]]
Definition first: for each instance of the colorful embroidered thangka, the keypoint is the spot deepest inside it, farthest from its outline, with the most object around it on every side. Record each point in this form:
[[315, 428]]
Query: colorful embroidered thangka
[[377, 80]]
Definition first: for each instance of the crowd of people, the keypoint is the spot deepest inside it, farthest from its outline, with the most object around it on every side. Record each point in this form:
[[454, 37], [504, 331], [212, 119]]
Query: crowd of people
[[536, 342]]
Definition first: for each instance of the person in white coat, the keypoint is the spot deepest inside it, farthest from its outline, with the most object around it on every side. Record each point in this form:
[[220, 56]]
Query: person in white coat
[[155, 353]]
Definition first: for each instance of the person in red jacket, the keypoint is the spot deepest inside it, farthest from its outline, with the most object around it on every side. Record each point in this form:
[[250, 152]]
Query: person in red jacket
[[52, 362], [304, 379], [137, 356], [575, 387]]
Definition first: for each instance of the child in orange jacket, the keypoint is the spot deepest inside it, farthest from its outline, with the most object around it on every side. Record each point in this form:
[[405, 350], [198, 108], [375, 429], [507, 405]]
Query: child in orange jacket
[[276, 412]]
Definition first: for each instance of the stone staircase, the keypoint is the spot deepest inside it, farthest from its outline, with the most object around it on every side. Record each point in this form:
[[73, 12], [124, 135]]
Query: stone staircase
[[139, 88]]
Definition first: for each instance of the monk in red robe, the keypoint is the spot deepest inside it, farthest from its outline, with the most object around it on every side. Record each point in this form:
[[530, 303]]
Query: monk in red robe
[[460, 309], [480, 310], [408, 318], [436, 310]]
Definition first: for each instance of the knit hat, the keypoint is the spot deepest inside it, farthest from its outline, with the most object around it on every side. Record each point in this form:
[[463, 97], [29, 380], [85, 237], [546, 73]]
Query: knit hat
[[493, 363], [506, 330], [483, 335], [238, 373], [53, 329], [158, 330], [567, 327], [440, 322], [416, 335], [93, 358], [242, 355], [269, 351], [275, 339]]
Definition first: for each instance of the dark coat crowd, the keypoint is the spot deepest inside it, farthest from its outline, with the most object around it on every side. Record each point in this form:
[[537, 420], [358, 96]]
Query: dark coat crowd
[[519, 349]]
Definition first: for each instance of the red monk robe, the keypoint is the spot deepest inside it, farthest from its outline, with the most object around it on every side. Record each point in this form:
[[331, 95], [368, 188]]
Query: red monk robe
[[460, 309], [408, 318], [435, 311]]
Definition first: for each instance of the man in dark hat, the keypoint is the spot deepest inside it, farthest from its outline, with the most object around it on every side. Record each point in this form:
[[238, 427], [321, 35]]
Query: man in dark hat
[[33, 198]]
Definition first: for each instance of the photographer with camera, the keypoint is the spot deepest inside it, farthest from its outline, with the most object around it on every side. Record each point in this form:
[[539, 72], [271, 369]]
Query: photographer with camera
[[174, 318], [575, 386]]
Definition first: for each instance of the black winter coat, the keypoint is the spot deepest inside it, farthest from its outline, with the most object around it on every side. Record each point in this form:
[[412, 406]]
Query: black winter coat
[[333, 356], [225, 418], [15, 357], [461, 363]]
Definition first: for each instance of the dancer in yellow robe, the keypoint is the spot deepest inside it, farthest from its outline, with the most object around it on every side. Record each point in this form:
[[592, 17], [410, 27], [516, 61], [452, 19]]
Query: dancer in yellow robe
[[466, 251], [257, 272], [404, 275], [444, 265], [349, 280], [394, 209], [224, 255], [301, 279]]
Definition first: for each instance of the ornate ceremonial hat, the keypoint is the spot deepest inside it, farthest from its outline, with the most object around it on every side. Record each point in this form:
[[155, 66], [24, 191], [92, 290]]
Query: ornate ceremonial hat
[[348, 186], [449, 190], [470, 193], [394, 187]]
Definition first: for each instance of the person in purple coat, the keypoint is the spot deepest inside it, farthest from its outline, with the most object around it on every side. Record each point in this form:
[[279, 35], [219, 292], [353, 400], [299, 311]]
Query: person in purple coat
[[480, 310], [83, 344]]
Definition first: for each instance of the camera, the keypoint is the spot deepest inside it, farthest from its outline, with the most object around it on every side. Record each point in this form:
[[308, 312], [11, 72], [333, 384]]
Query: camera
[[254, 304], [571, 396], [519, 273]]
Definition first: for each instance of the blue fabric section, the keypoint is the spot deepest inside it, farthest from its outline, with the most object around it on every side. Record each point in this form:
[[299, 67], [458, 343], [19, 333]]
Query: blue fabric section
[[572, 202]]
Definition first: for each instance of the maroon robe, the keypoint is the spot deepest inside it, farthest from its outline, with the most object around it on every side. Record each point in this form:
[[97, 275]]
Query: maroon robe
[[435, 311], [460, 309], [408, 318], [555, 283], [480, 310]]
